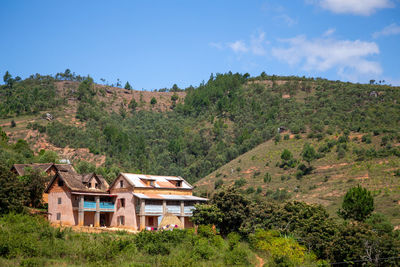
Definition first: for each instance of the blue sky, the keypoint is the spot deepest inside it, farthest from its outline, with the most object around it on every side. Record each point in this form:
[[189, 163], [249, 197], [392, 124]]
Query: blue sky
[[154, 44]]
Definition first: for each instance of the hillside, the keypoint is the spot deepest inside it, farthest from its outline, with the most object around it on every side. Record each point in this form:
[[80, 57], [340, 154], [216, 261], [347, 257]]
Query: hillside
[[327, 183], [190, 133], [27, 127]]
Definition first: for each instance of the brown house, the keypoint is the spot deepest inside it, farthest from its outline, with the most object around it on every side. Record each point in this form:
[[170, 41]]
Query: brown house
[[49, 168], [79, 199], [134, 201]]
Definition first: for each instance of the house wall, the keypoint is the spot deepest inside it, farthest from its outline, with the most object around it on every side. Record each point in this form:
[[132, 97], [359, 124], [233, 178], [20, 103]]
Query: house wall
[[65, 208], [129, 210]]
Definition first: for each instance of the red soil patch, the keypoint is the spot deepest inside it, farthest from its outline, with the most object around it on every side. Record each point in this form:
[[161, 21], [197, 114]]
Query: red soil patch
[[326, 167], [285, 96], [251, 170]]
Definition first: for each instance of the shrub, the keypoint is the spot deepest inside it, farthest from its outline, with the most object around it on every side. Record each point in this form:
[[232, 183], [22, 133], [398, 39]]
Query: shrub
[[218, 183], [240, 182], [267, 177]]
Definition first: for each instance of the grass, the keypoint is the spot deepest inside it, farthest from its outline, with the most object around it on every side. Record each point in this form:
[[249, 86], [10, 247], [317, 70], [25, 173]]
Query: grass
[[326, 185]]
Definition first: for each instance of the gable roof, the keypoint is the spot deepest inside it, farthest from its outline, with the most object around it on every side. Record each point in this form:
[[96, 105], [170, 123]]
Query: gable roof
[[20, 168], [75, 182], [137, 180], [44, 167]]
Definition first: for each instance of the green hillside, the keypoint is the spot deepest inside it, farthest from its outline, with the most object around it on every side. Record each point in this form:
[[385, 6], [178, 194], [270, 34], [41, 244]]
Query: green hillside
[[258, 173], [190, 134]]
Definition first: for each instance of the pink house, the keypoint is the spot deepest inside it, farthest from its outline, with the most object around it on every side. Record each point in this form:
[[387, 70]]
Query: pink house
[[133, 201]]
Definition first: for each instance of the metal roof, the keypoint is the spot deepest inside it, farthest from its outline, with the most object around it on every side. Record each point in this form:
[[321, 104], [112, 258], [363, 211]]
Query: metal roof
[[168, 197], [137, 180]]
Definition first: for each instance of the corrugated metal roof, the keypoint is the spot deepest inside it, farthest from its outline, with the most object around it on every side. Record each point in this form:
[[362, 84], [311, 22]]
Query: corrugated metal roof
[[160, 181], [168, 197]]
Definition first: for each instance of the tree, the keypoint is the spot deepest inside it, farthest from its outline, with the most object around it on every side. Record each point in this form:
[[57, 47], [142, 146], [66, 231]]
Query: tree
[[358, 204], [206, 214], [153, 101], [12, 193], [308, 153], [128, 86], [3, 136], [286, 155], [235, 208], [13, 124], [174, 97], [133, 105], [34, 182]]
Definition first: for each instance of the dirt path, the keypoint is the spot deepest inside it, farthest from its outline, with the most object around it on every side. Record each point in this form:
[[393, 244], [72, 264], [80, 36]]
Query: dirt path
[[260, 261], [17, 122]]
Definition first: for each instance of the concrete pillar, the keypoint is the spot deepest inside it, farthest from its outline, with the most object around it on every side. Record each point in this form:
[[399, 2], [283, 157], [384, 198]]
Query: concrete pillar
[[81, 212], [164, 207], [134, 214], [182, 217], [97, 213], [142, 224]]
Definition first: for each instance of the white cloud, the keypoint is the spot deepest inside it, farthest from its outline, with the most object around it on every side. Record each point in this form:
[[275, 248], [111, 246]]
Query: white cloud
[[348, 58], [219, 46], [357, 7], [392, 29], [287, 19], [257, 44], [238, 47], [329, 32]]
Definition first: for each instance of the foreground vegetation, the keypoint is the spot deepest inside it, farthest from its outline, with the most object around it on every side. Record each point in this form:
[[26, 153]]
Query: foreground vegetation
[[31, 241]]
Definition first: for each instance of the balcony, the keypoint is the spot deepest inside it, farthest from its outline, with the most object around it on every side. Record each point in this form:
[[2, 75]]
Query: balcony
[[104, 206]]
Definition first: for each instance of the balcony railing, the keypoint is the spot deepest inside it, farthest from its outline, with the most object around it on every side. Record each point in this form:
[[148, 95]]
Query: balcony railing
[[188, 209], [104, 206]]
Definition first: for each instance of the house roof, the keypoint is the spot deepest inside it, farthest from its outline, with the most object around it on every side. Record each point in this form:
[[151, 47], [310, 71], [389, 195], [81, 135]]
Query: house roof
[[20, 168], [168, 197], [44, 167], [137, 180], [75, 182]]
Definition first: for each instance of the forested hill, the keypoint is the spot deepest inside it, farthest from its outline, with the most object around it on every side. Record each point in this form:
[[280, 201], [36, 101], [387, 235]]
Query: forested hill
[[190, 133]]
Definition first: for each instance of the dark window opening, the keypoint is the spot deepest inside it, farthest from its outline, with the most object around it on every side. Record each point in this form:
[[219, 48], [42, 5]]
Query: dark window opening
[[151, 220], [59, 200], [60, 182], [58, 216], [178, 183], [122, 202], [96, 185], [121, 183], [121, 220]]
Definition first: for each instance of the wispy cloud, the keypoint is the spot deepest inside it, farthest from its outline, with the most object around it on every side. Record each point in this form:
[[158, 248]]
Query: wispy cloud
[[289, 21], [219, 46], [238, 47], [392, 29], [357, 7], [256, 45], [329, 32], [348, 58]]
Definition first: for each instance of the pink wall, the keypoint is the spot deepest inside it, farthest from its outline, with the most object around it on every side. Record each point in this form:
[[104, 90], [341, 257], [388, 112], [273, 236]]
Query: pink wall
[[127, 211], [65, 208]]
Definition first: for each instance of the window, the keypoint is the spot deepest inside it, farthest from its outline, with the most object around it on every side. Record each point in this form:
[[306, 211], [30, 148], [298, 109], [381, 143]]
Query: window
[[121, 220], [96, 185], [121, 183], [178, 183], [151, 183], [60, 182], [58, 216], [59, 200], [123, 202]]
